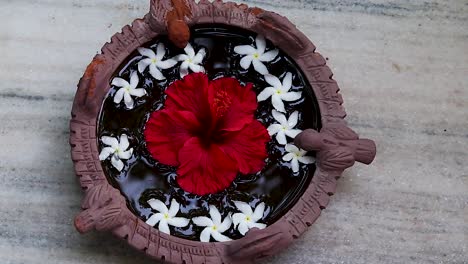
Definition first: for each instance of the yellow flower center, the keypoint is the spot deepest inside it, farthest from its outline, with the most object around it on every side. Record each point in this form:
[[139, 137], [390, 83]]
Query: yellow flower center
[[166, 216], [278, 91], [127, 88], [154, 60], [248, 218], [214, 228], [190, 60], [256, 55]]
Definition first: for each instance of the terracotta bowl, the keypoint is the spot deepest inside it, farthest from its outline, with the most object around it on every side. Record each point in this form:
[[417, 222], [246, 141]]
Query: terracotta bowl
[[337, 147]]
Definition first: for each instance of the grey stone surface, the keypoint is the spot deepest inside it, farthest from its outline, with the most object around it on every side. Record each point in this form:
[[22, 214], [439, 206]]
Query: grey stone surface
[[403, 70]]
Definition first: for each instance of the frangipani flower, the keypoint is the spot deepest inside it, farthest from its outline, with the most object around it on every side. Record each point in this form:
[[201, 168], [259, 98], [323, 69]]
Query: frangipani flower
[[214, 226], [191, 60], [118, 150], [247, 219], [155, 61], [256, 56], [127, 90], [207, 129], [296, 155], [279, 92], [166, 217], [285, 127]]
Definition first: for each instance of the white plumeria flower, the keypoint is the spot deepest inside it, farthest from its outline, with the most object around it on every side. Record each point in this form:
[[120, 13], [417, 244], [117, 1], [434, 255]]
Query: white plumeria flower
[[285, 126], [127, 90], [166, 217], [155, 61], [296, 155], [279, 92], [256, 56], [247, 219], [191, 60], [214, 226], [118, 150]]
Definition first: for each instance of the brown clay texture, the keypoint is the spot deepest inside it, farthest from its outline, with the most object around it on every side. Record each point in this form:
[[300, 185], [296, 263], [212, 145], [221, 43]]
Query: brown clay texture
[[104, 208]]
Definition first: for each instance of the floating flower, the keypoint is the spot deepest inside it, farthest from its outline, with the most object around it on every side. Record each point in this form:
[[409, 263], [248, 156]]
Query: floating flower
[[214, 226], [127, 90], [247, 219], [296, 155], [279, 92], [118, 150], [166, 217], [256, 56], [155, 61], [285, 127], [191, 60], [209, 132]]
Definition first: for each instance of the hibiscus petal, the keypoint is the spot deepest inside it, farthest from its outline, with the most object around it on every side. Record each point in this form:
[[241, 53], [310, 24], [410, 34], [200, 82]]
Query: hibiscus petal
[[291, 96], [219, 237], [190, 94], [215, 215], [293, 118], [273, 129], [137, 92], [232, 105], [174, 208], [164, 227], [158, 205], [265, 94], [169, 63], [166, 133], [248, 147], [288, 157], [125, 154], [154, 219], [156, 73], [205, 235], [269, 56], [128, 101], [244, 50], [134, 80], [147, 52], [160, 51], [202, 221], [243, 228], [279, 117], [277, 103], [246, 61], [273, 81], [143, 64], [119, 95], [261, 43], [260, 67], [110, 141], [119, 82], [105, 153], [258, 213], [244, 208], [189, 50], [178, 221], [281, 138], [117, 163], [295, 165], [204, 169], [287, 82], [306, 159]]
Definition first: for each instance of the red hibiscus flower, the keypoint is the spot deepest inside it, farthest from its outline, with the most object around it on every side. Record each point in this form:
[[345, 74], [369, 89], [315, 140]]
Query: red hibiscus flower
[[208, 130]]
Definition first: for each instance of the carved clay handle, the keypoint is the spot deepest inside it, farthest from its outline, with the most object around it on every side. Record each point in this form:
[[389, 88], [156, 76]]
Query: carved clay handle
[[337, 150], [170, 15]]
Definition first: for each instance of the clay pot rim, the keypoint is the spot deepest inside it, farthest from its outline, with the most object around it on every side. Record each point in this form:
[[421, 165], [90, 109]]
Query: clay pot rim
[[100, 195]]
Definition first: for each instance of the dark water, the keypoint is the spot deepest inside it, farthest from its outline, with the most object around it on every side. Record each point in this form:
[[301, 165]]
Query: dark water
[[144, 178]]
